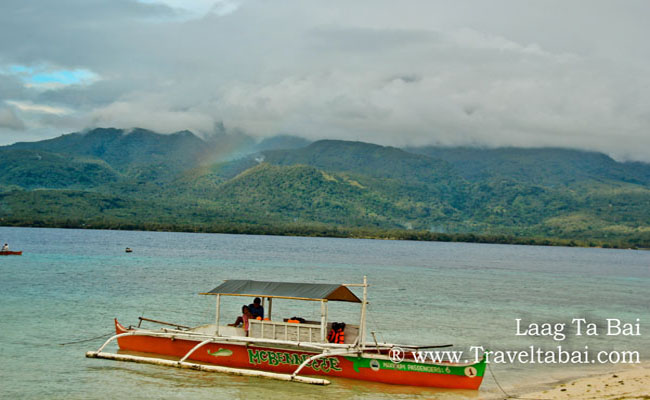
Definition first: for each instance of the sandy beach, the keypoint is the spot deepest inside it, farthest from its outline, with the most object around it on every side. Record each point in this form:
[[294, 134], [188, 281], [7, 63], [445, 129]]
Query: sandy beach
[[628, 384]]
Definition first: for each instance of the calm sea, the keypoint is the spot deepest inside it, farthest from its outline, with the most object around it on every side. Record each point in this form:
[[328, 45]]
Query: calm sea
[[70, 284]]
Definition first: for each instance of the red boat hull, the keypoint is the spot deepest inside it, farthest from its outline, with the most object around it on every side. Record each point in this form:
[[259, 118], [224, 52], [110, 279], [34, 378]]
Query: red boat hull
[[11, 253], [283, 360]]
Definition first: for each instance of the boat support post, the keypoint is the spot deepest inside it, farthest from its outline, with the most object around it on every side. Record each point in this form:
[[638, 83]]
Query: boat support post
[[361, 338], [323, 319], [216, 332], [364, 311]]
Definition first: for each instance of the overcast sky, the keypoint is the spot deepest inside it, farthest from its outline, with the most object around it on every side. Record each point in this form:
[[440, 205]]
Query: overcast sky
[[490, 73]]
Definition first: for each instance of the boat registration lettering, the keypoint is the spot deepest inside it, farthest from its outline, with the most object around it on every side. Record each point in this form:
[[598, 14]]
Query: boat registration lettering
[[416, 367], [274, 358]]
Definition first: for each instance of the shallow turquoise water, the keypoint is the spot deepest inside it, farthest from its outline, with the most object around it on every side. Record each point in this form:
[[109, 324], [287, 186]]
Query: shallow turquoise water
[[69, 284]]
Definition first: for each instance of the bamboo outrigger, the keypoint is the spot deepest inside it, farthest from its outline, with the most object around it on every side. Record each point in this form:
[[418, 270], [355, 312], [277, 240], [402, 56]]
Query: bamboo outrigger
[[282, 350]]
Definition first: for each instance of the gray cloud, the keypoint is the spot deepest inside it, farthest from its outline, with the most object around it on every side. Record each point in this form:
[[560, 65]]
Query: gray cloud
[[9, 120], [406, 73], [11, 87]]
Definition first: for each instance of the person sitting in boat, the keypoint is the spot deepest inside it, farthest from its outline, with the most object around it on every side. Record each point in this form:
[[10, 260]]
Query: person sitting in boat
[[256, 308], [5, 247], [243, 319]]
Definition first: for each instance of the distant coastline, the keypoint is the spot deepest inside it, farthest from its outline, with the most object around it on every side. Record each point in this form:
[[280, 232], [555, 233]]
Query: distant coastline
[[304, 230], [110, 178]]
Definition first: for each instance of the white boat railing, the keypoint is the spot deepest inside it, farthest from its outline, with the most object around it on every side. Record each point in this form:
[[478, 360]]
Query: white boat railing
[[170, 333]]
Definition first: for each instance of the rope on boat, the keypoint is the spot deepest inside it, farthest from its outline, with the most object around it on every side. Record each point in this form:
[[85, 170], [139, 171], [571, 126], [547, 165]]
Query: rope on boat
[[88, 340], [378, 329], [508, 396]]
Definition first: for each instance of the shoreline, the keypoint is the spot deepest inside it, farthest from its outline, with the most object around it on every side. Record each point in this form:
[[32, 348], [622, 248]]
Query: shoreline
[[336, 232], [626, 383]]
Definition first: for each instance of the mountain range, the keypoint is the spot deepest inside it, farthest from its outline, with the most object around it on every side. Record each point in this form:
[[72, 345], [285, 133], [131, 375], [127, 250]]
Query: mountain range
[[138, 179]]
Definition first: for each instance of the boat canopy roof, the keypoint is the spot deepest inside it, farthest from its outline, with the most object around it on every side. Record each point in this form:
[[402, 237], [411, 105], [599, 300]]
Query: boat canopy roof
[[286, 290]]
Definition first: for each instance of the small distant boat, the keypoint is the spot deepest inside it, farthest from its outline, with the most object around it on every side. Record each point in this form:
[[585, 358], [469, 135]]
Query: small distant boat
[[128, 250], [11, 253]]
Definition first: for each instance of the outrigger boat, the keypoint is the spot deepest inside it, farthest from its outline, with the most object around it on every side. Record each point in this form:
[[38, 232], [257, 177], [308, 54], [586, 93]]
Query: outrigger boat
[[283, 350], [11, 253]]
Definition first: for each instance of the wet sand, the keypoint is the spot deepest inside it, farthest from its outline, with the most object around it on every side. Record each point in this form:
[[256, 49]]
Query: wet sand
[[629, 384]]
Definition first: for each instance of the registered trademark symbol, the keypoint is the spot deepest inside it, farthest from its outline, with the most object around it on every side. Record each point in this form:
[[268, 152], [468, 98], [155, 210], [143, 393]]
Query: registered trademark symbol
[[396, 355]]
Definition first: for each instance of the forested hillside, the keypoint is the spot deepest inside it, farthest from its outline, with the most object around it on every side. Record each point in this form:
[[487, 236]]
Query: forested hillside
[[138, 179]]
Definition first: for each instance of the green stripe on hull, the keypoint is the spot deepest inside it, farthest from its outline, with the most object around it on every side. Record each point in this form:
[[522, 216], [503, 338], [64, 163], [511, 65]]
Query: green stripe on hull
[[472, 370]]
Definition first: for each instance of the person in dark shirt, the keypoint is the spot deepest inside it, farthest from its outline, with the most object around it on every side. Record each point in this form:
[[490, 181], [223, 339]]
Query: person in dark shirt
[[256, 308]]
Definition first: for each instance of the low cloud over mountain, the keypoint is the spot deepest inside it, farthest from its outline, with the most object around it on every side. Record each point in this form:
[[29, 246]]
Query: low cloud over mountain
[[502, 73]]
